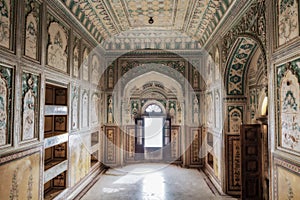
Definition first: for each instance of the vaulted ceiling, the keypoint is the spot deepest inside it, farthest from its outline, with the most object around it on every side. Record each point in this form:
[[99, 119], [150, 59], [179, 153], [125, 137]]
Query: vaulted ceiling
[[105, 19]]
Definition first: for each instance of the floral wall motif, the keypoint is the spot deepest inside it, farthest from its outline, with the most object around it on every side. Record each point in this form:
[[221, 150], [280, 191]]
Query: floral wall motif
[[57, 50], [110, 75], [95, 108], [95, 64], [75, 107], [209, 110], [79, 158], [76, 58], [234, 155], [110, 137], [235, 119], [20, 178], [30, 94], [288, 20], [5, 22], [110, 111], [217, 64], [85, 65], [288, 77], [196, 110], [6, 97], [32, 27], [175, 143], [85, 109]]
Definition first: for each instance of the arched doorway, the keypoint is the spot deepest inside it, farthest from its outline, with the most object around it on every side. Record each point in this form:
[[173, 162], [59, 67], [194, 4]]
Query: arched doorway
[[246, 89]]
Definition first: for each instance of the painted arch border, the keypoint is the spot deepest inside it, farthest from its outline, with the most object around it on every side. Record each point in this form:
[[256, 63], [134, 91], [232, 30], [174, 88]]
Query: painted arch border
[[233, 50]]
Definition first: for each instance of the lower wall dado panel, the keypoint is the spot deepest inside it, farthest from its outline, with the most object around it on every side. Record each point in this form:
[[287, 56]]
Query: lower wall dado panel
[[233, 160], [195, 146], [20, 175], [111, 146], [129, 136], [286, 180], [175, 144]]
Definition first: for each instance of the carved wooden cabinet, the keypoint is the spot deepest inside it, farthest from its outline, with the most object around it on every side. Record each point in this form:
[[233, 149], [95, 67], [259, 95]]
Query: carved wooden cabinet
[[55, 141]]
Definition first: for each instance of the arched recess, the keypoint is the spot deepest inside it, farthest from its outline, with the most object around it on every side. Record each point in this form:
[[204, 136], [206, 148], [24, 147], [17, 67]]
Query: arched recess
[[245, 86]]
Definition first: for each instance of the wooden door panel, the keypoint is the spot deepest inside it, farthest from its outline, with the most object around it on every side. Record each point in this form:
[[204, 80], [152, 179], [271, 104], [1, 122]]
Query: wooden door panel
[[251, 161]]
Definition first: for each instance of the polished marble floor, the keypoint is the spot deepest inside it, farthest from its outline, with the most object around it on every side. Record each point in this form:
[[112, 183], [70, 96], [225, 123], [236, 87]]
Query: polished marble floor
[[152, 182]]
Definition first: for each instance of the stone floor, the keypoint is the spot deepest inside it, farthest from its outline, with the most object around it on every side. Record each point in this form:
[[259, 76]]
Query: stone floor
[[152, 182]]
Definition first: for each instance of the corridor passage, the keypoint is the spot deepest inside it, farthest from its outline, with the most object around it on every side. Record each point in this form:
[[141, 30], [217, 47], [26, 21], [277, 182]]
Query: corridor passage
[[152, 182]]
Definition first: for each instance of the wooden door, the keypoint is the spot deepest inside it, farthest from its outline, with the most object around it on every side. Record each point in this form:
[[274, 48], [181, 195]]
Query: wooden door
[[251, 139], [139, 139]]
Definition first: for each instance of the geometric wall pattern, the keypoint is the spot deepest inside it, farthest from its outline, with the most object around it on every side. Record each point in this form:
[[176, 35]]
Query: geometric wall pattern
[[236, 71]]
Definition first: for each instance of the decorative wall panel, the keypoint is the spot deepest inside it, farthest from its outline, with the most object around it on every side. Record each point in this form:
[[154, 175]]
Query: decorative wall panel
[[85, 65], [110, 75], [110, 110], [20, 179], [288, 20], [233, 150], [110, 145], [95, 64], [75, 107], [85, 109], [76, 58], [236, 70], [217, 64], [175, 143], [235, 119], [32, 27], [130, 142], [196, 110], [57, 49], [79, 157], [288, 77], [5, 22], [30, 94], [209, 109], [286, 180], [195, 145], [6, 106], [95, 109]]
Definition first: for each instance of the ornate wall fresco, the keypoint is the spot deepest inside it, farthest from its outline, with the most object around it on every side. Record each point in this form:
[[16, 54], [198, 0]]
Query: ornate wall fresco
[[130, 142], [175, 142], [95, 108], [288, 77], [110, 110], [32, 27], [234, 153], [110, 145], [6, 98], [286, 180], [79, 157], [236, 70], [195, 146], [74, 107], [253, 22], [20, 179], [218, 110], [57, 49], [110, 75], [30, 94], [85, 65], [235, 119], [76, 58], [217, 64], [85, 109], [5, 22], [209, 109], [196, 109], [288, 20], [95, 64]]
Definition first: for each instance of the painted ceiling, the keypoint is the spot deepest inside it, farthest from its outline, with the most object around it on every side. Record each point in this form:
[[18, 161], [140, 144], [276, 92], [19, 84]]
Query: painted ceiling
[[105, 19]]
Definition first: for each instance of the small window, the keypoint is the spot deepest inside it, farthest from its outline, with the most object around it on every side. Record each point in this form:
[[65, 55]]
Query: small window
[[153, 108]]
